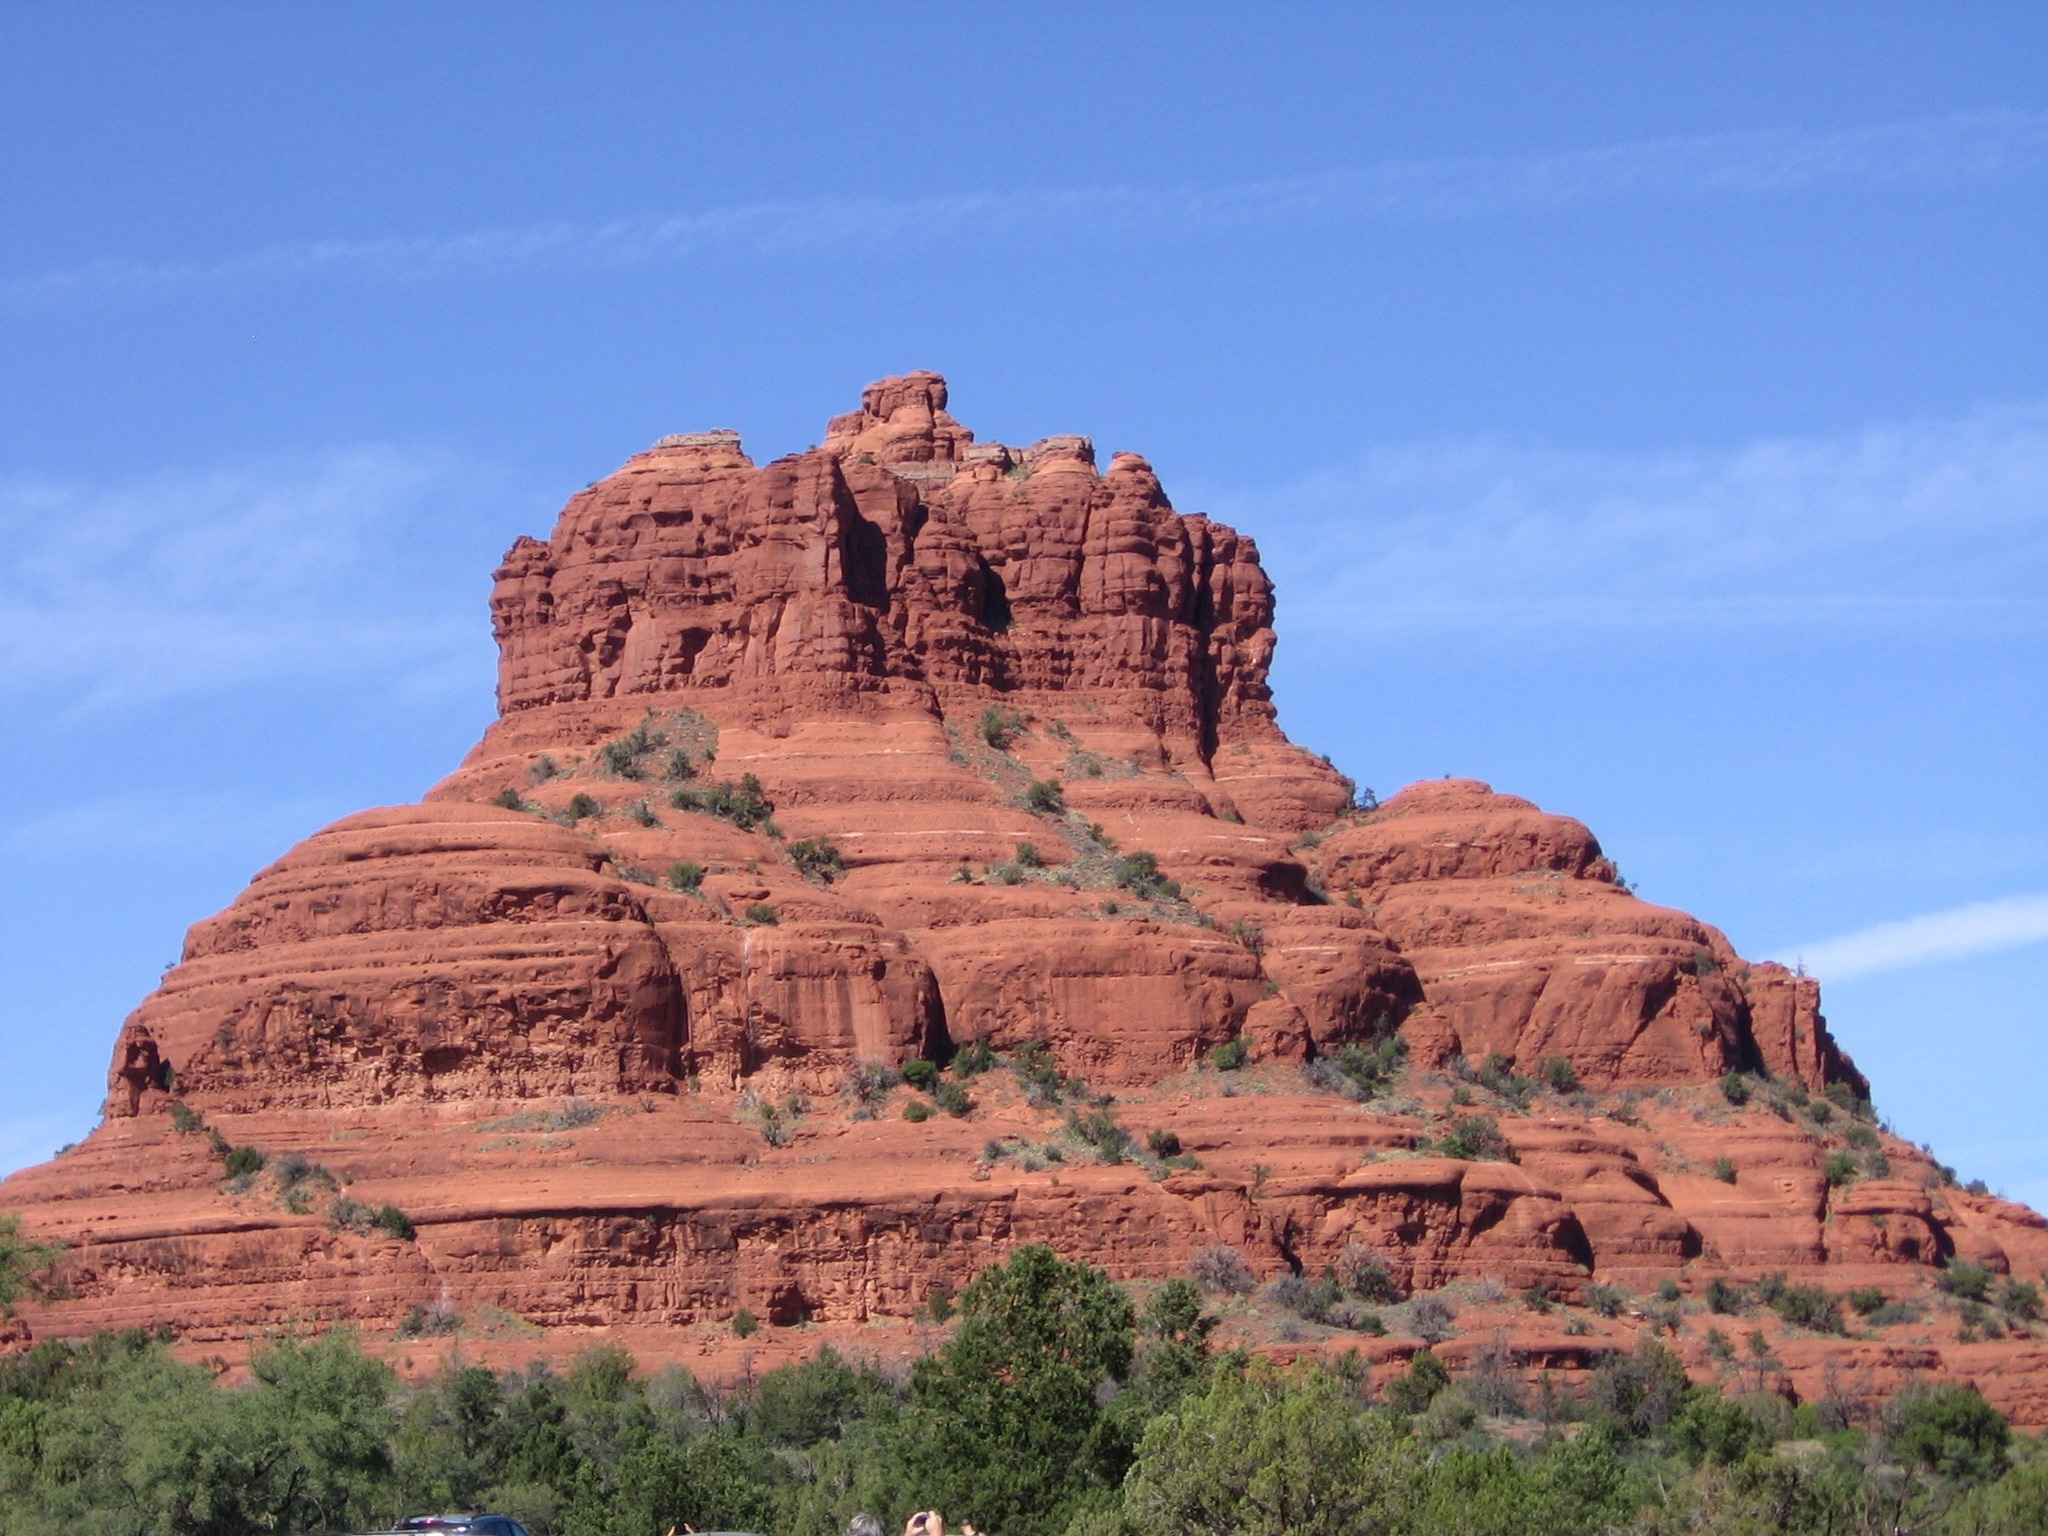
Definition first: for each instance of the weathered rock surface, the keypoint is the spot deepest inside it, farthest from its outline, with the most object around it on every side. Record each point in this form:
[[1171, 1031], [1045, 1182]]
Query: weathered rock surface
[[811, 768], [1515, 923]]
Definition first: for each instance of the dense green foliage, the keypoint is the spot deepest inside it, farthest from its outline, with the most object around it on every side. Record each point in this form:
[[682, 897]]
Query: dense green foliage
[[114, 1436], [1003, 1425], [744, 804], [999, 727], [1042, 797], [1360, 1071], [816, 859], [1139, 874], [22, 1263], [1055, 1408]]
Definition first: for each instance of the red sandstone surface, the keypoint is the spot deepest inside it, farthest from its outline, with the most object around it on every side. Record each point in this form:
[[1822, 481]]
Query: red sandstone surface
[[613, 1107]]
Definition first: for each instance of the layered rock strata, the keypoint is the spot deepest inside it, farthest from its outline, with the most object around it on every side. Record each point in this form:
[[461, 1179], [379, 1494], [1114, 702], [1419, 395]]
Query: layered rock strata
[[807, 769]]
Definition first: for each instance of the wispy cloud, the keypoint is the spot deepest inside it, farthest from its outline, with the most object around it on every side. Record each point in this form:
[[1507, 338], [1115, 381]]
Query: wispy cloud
[[326, 568], [1907, 525], [1980, 928], [1935, 151]]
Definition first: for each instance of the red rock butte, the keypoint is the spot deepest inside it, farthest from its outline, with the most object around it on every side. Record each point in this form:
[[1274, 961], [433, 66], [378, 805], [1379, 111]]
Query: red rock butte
[[807, 769]]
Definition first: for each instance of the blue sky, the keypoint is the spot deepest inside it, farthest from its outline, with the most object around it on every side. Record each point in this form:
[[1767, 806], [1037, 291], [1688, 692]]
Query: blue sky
[[1642, 407]]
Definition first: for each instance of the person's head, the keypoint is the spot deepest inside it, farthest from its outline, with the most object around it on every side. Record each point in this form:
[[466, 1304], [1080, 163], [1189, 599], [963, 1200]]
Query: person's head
[[926, 1522], [864, 1525]]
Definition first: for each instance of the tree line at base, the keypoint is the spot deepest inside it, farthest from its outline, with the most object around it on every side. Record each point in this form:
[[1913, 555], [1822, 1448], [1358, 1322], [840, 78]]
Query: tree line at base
[[1057, 1407]]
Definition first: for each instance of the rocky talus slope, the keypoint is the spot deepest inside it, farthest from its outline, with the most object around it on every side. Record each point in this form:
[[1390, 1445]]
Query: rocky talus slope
[[810, 769]]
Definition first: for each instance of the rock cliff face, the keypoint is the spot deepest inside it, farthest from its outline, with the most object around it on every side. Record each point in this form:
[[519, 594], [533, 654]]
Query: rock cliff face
[[914, 747], [900, 552]]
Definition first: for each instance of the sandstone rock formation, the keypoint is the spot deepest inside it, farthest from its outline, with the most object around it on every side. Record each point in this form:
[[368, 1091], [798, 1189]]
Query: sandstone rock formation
[[911, 747]]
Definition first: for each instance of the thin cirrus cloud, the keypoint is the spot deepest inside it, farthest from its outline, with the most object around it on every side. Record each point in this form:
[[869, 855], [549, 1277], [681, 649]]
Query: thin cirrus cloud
[[1903, 526], [1981, 928], [156, 587], [1921, 152]]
